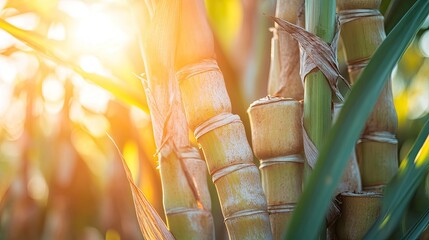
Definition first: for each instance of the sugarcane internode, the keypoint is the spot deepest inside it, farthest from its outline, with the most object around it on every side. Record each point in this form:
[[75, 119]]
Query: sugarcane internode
[[284, 80], [229, 157], [358, 212], [195, 172]]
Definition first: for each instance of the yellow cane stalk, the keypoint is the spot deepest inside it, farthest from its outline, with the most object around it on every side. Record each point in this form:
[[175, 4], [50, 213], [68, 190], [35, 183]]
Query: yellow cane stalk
[[220, 133]]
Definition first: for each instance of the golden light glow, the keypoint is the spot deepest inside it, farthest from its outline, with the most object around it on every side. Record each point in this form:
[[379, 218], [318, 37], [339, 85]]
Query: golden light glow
[[38, 188], [91, 153], [131, 156], [57, 31], [26, 21], [8, 70], [13, 121], [93, 98], [75, 9], [91, 64], [100, 31], [26, 65], [96, 124], [52, 89], [7, 76], [2, 3]]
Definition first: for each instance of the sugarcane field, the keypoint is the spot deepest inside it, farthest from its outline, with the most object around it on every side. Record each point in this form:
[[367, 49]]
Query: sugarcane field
[[214, 119]]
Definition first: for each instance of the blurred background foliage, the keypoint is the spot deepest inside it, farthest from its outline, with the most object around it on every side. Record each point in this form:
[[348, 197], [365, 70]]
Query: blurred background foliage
[[60, 174]]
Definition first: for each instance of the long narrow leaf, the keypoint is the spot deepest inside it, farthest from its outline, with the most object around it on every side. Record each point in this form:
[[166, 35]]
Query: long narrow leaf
[[150, 223], [118, 88], [394, 13], [333, 158], [402, 187], [421, 225]]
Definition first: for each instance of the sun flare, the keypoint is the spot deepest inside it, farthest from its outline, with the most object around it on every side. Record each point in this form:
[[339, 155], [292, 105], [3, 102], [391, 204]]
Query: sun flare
[[99, 30]]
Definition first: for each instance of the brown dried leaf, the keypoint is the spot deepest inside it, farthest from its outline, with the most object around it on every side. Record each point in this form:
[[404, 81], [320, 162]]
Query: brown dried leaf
[[316, 53], [150, 223]]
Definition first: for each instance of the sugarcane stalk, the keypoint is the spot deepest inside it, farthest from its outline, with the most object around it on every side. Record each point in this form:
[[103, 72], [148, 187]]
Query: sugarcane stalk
[[187, 217], [284, 79], [377, 149], [220, 133], [320, 20], [185, 195], [277, 142], [280, 148], [317, 118]]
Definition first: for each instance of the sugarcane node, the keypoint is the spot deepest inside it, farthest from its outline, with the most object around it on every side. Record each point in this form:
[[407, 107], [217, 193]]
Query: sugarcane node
[[349, 15], [199, 67], [382, 137], [244, 223], [215, 122], [203, 92], [281, 208], [221, 153], [179, 220], [222, 172], [244, 213], [237, 194], [294, 158], [244, 219], [378, 188]]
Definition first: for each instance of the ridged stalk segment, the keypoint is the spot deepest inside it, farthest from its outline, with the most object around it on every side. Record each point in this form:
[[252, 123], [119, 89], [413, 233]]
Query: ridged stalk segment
[[317, 119], [277, 142], [319, 20], [220, 133], [276, 124], [284, 79], [362, 31], [228, 154], [377, 149]]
